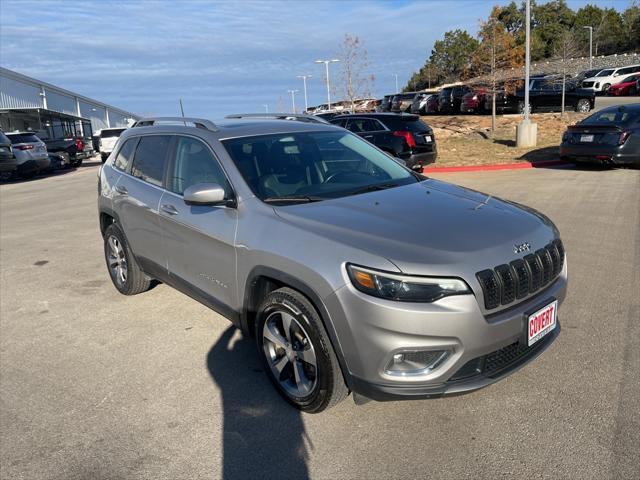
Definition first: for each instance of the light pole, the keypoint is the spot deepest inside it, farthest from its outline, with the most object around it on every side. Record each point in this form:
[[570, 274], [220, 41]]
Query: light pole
[[293, 100], [326, 66], [266, 107], [396, 75], [526, 131], [304, 81], [590, 45]]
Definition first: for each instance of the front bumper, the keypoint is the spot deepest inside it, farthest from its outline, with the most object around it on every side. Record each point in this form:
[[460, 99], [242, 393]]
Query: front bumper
[[372, 330], [600, 154]]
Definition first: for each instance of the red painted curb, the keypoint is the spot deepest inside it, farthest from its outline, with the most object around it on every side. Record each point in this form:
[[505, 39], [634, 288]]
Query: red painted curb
[[502, 166]]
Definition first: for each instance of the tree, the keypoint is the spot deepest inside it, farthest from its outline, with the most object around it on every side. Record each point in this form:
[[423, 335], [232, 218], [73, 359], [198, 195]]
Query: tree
[[497, 50], [451, 56], [354, 82], [566, 49]]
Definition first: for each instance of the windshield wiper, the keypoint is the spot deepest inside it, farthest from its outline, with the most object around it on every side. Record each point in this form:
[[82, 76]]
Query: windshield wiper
[[374, 188], [294, 199]]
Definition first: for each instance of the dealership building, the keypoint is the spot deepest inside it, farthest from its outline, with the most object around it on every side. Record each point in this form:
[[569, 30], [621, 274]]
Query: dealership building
[[30, 104]]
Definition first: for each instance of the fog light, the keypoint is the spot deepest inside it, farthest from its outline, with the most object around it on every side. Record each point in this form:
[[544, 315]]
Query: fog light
[[415, 363]]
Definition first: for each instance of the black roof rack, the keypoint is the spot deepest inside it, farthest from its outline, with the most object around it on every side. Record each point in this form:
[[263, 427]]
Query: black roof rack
[[301, 117]]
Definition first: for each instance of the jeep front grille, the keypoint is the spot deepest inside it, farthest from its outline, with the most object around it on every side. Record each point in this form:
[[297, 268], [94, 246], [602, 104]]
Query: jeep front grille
[[505, 283]]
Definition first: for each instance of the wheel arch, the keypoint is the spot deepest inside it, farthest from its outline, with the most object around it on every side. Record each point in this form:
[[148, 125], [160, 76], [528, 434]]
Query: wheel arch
[[262, 280]]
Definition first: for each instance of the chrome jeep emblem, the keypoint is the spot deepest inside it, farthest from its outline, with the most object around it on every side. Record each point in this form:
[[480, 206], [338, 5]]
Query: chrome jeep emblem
[[521, 247]]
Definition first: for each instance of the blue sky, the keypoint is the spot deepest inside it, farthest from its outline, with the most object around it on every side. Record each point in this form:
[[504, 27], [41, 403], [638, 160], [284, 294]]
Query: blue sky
[[222, 57]]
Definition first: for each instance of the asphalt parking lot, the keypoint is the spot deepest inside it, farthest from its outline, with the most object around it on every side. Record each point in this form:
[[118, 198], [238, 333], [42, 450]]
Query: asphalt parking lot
[[95, 385]]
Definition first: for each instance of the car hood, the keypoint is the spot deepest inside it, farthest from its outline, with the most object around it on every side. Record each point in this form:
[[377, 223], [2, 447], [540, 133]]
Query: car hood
[[428, 228]]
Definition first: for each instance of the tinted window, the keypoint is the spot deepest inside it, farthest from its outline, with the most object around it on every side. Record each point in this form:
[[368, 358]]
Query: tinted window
[[150, 158], [4, 138], [125, 154], [111, 133], [23, 138], [605, 73], [314, 164], [359, 125], [194, 164], [625, 71]]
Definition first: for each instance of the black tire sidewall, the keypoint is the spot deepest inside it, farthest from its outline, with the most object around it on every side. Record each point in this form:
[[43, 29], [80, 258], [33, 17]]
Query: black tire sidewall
[[309, 319], [115, 231]]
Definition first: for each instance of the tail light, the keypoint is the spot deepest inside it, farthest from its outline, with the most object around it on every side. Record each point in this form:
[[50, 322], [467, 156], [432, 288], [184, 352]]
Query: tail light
[[407, 136], [24, 147], [79, 144], [623, 137]]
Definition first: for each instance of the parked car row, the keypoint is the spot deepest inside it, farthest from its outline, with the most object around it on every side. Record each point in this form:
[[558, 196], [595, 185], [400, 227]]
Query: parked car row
[[26, 154]]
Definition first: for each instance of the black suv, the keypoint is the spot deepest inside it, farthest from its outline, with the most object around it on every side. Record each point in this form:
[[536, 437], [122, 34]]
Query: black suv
[[404, 136], [450, 98]]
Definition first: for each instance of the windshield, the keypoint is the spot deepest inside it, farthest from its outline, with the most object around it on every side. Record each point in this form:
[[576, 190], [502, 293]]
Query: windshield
[[617, 116], [605, 73], [313, 166]]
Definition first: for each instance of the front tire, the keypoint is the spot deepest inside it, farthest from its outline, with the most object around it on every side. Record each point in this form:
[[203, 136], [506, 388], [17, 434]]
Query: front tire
[[123, 269], [296, 353]]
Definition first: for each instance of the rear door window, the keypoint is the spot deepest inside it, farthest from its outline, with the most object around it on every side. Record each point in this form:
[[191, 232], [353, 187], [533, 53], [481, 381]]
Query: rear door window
[[125, 154], [359, 125], [111, 133], [150, 158]]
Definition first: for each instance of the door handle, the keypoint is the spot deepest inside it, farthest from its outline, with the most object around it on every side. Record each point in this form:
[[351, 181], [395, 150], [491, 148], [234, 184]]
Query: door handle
[[169, 209], [368, 136], [121, 189]]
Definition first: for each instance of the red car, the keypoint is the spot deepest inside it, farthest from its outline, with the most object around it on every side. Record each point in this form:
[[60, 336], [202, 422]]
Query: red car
[[432, 104], [629, 86], [473, 102]]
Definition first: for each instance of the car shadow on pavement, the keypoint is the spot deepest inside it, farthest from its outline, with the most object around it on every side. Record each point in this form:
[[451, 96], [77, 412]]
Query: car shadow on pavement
[[263, 436]]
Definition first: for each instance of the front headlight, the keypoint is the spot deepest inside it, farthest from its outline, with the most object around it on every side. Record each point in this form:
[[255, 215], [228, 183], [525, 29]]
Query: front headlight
[[404, 288]]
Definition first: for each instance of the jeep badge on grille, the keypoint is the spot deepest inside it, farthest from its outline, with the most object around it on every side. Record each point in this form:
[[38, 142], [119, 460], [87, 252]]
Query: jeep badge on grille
[[522, 247]]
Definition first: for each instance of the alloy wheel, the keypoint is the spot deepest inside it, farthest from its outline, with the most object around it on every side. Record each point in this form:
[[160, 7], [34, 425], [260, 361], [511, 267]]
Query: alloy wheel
[[117, 260], [290, 354]]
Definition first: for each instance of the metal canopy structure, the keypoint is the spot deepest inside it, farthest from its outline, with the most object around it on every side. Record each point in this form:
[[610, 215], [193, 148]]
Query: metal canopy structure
[[19, 92], [49, 124]]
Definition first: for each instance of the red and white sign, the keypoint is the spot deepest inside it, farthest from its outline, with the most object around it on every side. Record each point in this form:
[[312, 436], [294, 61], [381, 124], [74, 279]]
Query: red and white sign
[[541, 322]]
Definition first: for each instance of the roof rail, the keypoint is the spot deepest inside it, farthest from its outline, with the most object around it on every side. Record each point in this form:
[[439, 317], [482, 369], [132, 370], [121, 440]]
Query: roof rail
[[301, 117], [197, 122]]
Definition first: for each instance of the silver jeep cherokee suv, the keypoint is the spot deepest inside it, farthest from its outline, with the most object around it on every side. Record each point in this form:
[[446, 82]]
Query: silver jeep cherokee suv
[[305, 235]]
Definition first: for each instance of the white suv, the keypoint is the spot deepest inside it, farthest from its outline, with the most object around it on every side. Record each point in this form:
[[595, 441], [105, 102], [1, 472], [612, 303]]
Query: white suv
[[609, 76], [107, 140]]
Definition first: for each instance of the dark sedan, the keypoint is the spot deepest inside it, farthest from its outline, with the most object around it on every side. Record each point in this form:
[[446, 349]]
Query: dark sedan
[[610, 136], [403, 136], [8, 162]]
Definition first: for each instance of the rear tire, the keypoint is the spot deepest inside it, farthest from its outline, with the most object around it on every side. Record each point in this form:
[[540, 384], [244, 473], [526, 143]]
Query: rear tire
[[296, 353], [123, 269], [583, 105]]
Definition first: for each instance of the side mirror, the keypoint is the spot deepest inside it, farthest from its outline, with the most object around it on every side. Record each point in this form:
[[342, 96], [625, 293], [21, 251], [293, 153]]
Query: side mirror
[[204, 194]]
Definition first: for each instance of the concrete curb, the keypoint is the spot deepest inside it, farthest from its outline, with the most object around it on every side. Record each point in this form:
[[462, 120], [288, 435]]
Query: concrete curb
[[502, 166]]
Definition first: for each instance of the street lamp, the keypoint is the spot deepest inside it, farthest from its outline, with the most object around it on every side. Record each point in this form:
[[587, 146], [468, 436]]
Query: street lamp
[[326, 66], [590, 45], [396, 75], [526, 131], [304, 81], [293, 100], [266, 108]]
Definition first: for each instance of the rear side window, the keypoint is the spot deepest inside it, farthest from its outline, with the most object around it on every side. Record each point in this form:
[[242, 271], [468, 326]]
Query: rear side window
[[24, 138], [194, 164], [359, 125], [125, 154], [4, 138], [150, 158], [111, 133]]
